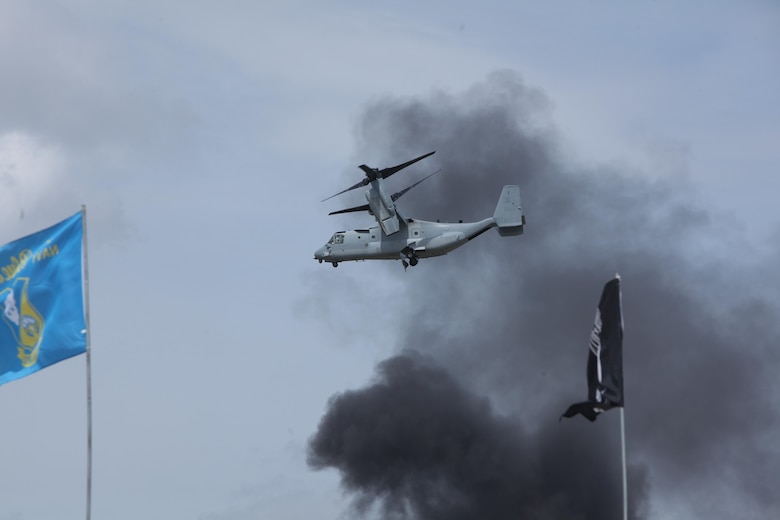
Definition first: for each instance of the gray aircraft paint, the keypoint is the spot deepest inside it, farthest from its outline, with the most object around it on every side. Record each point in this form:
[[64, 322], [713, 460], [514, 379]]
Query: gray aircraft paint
[[420, 238]]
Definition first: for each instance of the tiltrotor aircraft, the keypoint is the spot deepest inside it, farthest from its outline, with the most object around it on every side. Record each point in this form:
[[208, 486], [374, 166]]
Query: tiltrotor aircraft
[[408, 239]]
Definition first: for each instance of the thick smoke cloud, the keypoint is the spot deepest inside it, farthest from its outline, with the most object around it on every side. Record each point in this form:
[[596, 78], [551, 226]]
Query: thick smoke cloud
[[507, 318], [431, 449]]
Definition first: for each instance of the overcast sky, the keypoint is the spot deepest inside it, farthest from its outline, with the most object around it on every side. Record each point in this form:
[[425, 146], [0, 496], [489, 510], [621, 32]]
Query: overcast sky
[[202, 138]]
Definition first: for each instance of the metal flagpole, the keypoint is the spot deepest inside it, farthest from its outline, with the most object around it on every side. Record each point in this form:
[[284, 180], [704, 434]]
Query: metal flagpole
[[623, 417], [623, 445], [89, 361]]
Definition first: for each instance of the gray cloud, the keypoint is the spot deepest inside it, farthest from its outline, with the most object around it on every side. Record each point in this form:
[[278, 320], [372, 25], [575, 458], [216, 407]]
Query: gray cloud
[[104, 89], [508, 318]]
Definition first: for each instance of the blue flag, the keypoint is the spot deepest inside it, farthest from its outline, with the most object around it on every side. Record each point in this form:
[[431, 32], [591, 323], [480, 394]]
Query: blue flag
[[41, 299]]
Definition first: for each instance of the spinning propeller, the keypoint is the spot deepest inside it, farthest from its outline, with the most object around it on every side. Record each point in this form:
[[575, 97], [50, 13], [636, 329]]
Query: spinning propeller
[[395, 196], [373, 174]]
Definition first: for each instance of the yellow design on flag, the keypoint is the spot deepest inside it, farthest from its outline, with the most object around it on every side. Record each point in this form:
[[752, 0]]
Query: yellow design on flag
[[26, 324], [41, 299]]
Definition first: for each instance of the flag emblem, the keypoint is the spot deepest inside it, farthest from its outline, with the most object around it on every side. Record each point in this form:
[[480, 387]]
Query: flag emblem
[[41, 299], [26, 326]]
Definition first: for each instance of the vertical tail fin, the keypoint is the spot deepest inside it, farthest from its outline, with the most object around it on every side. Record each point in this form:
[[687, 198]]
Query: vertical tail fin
[[509, 215]]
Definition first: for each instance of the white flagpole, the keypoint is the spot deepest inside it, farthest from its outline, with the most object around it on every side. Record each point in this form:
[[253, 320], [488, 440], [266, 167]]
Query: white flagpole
[[623, 445], [89, 361]]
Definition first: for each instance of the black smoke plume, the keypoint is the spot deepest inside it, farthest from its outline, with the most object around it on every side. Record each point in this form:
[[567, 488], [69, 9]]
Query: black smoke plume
[[430, 449], [507, 319]]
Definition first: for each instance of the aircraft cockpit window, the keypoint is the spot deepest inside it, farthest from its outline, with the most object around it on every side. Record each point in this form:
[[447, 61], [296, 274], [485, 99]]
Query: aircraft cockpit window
[[338, 238]]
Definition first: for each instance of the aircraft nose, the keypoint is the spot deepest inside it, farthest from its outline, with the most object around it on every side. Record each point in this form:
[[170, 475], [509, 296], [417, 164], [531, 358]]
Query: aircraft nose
[[321, 253]]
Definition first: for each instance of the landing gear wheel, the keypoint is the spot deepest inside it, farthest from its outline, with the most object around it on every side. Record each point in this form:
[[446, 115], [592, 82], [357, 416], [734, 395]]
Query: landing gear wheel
[[413, 261], [335, 264]]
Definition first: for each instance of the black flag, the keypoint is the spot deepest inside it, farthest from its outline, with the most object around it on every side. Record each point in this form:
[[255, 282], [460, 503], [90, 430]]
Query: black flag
[[605, 358]]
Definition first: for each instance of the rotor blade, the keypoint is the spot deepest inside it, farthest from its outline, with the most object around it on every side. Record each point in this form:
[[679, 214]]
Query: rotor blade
[[384, 173], [364, 207], [397, 195], [387, 172], [358, 185]]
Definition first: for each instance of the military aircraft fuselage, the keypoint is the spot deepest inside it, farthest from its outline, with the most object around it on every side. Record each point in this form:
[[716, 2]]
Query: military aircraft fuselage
[[406, 239], [415, 239]]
